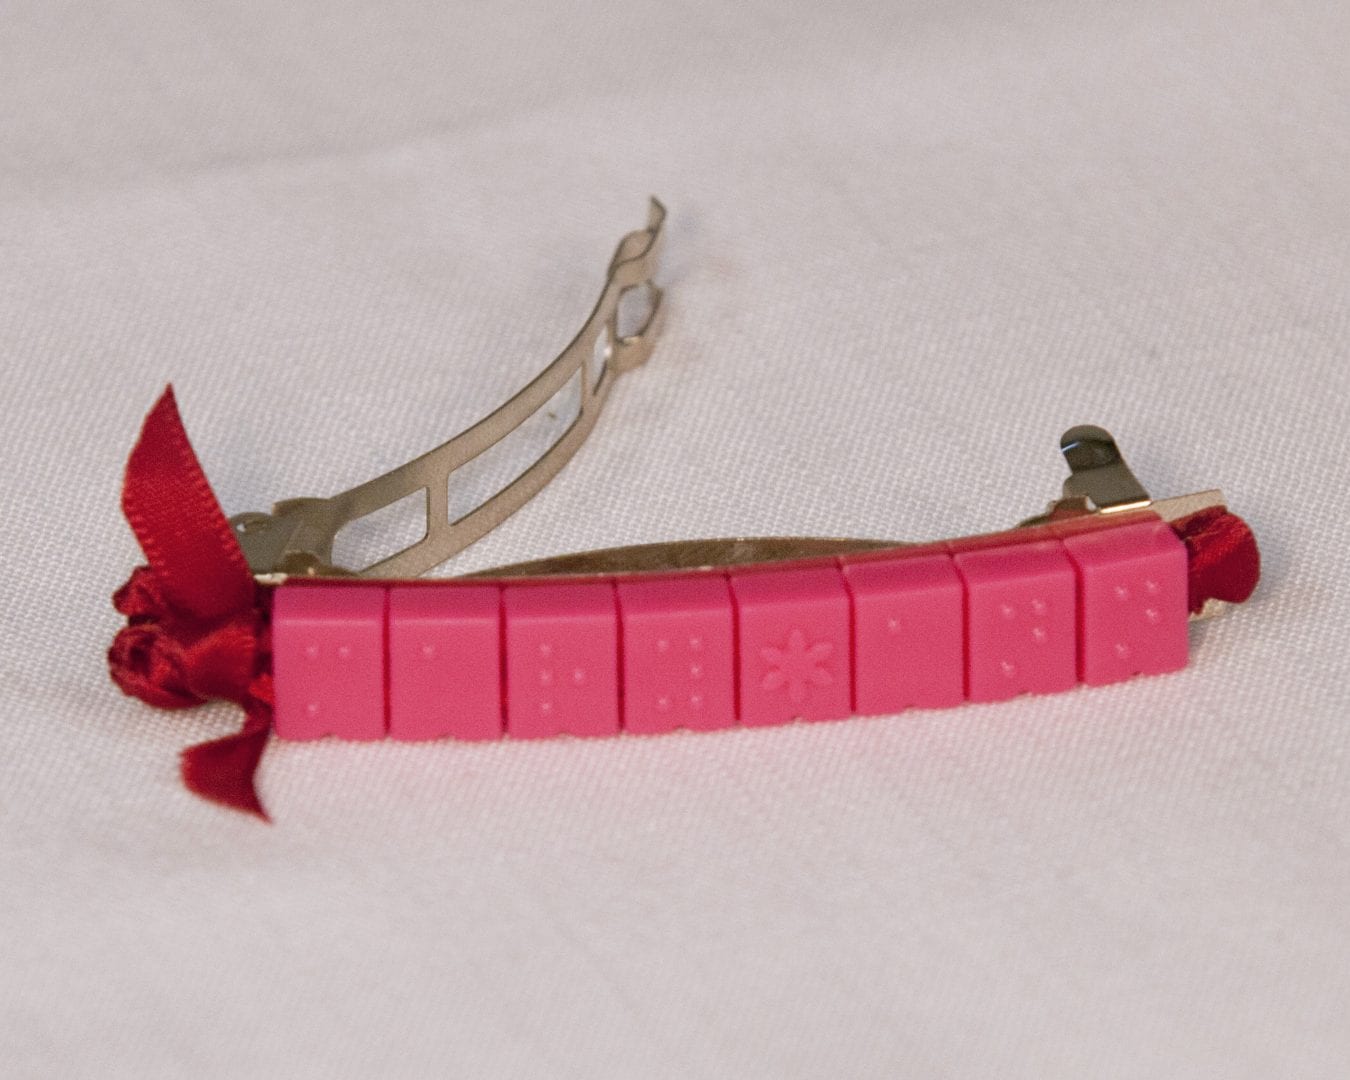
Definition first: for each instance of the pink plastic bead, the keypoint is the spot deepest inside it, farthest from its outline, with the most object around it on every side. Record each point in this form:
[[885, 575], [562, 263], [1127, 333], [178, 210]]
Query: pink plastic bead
[[445, 662], [1132, 589], [328, 661], [678, 653], [794, 644], [1021, 620], [909, 635], [562, 659]]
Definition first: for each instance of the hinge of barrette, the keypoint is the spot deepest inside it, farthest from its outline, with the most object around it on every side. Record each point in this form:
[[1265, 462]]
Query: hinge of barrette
[[297, 536]]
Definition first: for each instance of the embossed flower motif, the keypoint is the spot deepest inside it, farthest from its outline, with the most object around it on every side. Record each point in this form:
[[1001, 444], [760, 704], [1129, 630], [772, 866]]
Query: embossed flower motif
[[798, 666]]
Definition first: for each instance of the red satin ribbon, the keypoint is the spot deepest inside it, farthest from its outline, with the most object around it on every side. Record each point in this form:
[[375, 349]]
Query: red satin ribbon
[[197, 623], [1224, 562]]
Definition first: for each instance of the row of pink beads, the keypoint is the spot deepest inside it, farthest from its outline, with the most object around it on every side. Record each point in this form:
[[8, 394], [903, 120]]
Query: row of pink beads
[[1029, 611]]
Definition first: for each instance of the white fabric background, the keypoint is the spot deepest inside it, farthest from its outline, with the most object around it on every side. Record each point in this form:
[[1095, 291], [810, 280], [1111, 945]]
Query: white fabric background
[[909, 244]]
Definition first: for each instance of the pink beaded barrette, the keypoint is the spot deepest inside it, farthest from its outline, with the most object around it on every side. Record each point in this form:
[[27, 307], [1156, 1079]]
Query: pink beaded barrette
[[686, 635]]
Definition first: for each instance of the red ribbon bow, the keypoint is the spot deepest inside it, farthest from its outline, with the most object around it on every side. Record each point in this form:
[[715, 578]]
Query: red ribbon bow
[[197, 623]]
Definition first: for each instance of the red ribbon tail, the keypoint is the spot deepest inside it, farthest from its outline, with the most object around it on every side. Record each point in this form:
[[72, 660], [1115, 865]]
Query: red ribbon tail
[[222, 770]]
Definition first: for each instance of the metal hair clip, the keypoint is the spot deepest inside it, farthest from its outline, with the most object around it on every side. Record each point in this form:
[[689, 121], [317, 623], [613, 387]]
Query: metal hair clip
[[696, 634]]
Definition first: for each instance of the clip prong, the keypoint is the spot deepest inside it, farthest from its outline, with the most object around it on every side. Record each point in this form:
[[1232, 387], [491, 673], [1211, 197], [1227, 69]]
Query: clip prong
[[1098, 473], [297, 536]]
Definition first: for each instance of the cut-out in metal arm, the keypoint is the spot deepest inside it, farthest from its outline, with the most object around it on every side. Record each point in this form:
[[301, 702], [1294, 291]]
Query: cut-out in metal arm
[[297, 536]]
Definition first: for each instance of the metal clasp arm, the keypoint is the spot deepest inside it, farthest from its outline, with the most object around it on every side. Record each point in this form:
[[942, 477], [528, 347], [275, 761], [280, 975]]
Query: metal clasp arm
[[297, 537]]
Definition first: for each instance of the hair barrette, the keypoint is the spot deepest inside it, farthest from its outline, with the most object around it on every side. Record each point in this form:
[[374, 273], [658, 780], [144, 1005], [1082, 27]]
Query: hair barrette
[[694, 634]]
